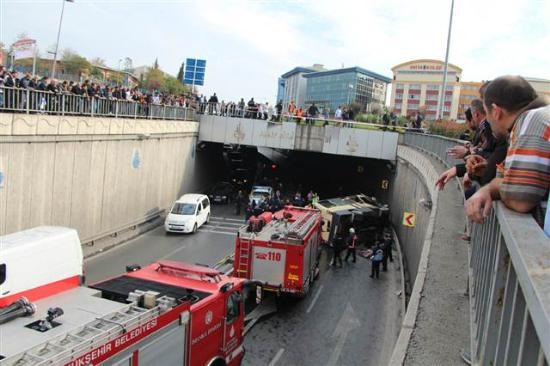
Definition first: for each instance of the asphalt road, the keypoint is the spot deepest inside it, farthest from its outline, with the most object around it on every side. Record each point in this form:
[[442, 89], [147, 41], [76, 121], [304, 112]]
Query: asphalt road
[[347, 319], [211, 243]]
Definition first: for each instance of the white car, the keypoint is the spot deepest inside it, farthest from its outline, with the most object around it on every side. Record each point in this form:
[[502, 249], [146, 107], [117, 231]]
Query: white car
[[188, 213], [261, 194]]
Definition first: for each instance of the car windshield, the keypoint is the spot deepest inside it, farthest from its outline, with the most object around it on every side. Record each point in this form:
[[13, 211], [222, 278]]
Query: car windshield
[[184, 208]]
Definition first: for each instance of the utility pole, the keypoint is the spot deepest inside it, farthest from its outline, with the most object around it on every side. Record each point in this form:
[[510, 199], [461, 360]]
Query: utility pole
[[442, 95], [58, 35]]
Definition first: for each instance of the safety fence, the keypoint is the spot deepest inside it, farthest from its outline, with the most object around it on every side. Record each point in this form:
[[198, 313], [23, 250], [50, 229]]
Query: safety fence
[[46, 102], [509, 280]]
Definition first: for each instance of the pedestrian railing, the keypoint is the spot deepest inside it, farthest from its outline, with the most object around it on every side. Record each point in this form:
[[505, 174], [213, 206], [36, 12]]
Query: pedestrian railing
[[509, 280], [46, 102]]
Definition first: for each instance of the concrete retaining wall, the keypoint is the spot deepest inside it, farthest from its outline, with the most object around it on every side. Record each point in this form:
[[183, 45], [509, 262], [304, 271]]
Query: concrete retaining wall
[[410, 193], [96, 175]]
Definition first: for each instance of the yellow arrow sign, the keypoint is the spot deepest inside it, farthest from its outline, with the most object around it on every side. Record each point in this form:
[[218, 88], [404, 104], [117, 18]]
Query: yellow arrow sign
[[409, 219]]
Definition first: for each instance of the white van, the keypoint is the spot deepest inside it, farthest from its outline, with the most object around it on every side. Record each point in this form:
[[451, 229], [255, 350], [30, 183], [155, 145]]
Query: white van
[[188, 213], [39, 262]]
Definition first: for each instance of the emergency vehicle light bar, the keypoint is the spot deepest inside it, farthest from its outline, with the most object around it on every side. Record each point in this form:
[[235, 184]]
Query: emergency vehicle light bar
[[189, 269]]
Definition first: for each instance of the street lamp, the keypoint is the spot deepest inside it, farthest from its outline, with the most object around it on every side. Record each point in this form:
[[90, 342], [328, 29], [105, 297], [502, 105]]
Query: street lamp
[[442, 96], [58, 34]]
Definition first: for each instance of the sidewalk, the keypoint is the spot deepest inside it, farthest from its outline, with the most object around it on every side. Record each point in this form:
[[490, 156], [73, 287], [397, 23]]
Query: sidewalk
[[442, 324]]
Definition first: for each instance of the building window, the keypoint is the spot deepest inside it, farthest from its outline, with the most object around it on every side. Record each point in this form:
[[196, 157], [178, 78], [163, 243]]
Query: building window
[[414, 86], [398, 106], [411, 96], [432, 87], [399, 86], [399, 96]]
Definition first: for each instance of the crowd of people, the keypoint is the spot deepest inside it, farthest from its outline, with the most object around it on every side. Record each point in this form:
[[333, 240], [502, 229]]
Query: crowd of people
[[89, 89], [508, 156]]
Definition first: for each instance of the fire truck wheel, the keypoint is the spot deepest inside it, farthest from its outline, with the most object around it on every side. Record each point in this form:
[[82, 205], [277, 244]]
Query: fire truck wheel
[[217, 362], [195, 228]]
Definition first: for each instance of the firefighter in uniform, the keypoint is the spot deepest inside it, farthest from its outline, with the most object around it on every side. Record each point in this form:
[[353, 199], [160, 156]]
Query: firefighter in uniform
[[351, 241]]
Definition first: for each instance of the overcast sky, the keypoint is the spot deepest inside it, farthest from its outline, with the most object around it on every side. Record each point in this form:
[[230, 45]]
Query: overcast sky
[[248, 44]]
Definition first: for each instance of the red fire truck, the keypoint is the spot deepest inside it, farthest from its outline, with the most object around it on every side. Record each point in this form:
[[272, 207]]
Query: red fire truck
[[168, 313], [280, 250]]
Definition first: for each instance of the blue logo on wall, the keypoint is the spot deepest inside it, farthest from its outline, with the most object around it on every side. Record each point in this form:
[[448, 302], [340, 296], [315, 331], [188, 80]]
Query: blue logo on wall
[[136, 159]]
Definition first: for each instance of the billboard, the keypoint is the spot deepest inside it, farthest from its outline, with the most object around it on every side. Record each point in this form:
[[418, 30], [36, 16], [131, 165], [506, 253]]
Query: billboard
[[24, 48], [194, 71]]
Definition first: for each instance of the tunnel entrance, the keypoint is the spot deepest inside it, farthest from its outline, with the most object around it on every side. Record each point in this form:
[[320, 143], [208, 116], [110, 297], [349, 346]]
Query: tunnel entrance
[[293, 171]]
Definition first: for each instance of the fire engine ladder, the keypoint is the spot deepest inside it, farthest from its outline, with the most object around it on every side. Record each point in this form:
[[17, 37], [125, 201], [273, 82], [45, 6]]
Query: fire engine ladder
[[244, 257], [300, 227], [70, 346]]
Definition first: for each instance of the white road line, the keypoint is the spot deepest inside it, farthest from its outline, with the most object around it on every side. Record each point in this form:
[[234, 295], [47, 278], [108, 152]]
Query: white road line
[[233, 224], [217, 232], [277, 356], [174, 252], [225, 218], [216, 225], [314, 299]]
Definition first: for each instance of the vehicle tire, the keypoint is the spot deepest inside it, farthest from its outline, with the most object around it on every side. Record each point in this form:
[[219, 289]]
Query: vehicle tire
[[195, 228], [207, 218]]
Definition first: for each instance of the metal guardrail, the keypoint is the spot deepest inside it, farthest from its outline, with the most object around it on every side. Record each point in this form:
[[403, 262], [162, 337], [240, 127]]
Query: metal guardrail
[[66, 104], [509, 280]]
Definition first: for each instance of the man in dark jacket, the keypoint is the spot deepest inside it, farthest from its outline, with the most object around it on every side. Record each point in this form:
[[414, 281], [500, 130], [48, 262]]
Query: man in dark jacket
[[338, 246], [376, 258]]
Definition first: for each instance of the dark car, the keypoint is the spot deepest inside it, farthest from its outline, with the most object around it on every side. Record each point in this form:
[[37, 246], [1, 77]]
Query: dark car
[[241, 178], [221, 192]]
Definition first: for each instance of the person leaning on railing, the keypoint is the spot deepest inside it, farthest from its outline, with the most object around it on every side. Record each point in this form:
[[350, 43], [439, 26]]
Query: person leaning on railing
[[522, 183]]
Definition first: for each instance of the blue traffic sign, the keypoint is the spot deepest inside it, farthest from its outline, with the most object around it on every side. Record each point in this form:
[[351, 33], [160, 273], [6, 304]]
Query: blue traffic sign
[[194, 71]]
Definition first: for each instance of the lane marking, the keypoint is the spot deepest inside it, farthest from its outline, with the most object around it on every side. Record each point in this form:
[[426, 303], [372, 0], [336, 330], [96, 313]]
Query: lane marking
[[225, 218], [220, 226], [277, 356], [314, 299], [217, 232], [167, 256]]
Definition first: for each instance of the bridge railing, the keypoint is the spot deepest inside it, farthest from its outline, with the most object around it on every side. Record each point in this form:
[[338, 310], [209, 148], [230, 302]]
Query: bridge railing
[[509, 280], [66, 104]]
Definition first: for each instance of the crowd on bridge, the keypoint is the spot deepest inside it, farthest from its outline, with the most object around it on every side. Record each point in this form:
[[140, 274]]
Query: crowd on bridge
[[508, 156], [13, 84]]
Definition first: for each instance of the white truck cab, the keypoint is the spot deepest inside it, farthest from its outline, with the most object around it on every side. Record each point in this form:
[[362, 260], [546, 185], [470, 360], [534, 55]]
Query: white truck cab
[[261, 194], [188, 213]]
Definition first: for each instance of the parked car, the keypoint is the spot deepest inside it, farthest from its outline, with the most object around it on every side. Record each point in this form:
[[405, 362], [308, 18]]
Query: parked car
[[188, 213], [222, 192]]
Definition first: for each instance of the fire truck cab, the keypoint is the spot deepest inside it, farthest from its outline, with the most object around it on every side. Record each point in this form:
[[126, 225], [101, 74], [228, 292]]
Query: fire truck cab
[[280, 250], [168, 313]]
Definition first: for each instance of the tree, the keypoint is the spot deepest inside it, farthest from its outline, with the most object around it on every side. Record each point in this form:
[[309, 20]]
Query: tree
[[376, 108], [180, 74], [173, 85], [154, 79], [98, 61], [96, 72], [128, 65], [74, 63], [156, 64]]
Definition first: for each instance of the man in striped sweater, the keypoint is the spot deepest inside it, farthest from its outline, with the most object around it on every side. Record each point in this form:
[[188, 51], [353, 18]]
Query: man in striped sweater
[[522, 184]]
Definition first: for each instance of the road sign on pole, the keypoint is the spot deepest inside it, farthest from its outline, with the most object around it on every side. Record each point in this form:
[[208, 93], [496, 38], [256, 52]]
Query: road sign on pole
[[194, 72], [409, 219]]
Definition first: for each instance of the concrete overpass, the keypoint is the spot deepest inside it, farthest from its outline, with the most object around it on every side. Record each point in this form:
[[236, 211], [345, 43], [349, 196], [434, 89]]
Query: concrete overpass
[[363, 140]]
